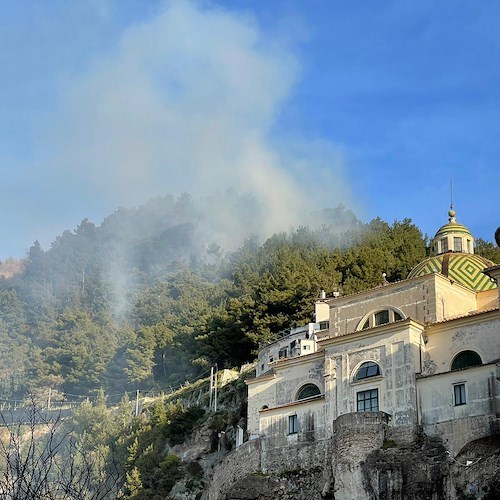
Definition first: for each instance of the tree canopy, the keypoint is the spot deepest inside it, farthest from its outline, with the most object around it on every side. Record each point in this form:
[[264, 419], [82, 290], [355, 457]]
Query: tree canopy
[[143, 300]]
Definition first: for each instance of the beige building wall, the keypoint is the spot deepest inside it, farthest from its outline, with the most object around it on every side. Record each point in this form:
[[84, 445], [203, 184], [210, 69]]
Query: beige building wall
[[487, 300], [310, 415], [458, 424], [280, 387], [396, 348], [478, 332], [436, 394], [453, 299], [428, 298], [321, 311], [261, 392]]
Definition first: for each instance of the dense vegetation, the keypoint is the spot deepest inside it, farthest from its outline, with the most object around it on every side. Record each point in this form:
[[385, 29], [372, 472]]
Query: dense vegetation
[[149, 299], [146, 299]]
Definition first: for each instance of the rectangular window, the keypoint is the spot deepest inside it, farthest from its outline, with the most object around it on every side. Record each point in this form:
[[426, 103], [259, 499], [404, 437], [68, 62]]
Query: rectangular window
[[459, 394], [283, 353], [382, 317], [324, 325], [293, 424], [469, 247], [367, 400], [444, 245], [271, 359], [457, 244]]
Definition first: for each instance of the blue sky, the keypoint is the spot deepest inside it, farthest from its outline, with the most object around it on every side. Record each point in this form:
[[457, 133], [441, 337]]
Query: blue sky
[[107, 103]]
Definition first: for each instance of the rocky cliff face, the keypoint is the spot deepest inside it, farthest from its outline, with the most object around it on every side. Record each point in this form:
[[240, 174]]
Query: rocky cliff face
[[417, 470]]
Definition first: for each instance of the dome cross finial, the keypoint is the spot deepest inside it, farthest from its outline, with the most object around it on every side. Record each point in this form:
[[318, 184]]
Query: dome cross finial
[[451, 213]]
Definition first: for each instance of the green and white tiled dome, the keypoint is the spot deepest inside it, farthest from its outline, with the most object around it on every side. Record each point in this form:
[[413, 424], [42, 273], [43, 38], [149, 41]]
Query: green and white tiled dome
[[454, 257], [466, 269]]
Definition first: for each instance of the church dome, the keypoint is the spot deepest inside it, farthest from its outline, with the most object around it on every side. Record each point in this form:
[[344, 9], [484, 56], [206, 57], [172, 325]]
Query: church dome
[[453, 236], [453, 248], [466, 269]]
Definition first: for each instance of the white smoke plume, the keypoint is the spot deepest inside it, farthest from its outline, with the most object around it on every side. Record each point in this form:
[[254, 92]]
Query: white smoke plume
[[186, 102]]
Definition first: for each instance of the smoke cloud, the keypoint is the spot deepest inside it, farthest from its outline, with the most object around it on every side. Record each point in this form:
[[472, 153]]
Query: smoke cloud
[[187, 101]]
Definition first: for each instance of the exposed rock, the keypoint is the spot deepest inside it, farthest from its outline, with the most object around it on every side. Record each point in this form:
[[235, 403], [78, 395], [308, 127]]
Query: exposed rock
[[198, 444], [415, 471], [291, 485]]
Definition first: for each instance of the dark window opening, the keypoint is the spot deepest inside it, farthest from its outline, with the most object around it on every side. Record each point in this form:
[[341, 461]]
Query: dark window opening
[[308, 391], [367, 400], [465, 359], [324, 325], [397, 316], [367, 370], [293, 424], [283, 353], [459, 394], [457, 244], [382, 317]]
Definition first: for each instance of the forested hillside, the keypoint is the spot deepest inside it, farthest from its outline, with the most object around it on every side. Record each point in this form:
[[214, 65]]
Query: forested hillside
[[151, 297]]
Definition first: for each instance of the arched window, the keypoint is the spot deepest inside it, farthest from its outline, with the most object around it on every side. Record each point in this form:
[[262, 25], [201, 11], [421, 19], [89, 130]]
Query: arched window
[[465, 359], [308, 391], [380, 317], [367, 370]]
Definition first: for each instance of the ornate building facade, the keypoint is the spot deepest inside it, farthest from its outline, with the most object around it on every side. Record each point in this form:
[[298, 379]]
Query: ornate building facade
[[422, 354]]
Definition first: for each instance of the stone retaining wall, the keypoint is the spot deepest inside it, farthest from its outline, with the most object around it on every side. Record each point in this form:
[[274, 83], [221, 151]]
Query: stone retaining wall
[[241, 462]]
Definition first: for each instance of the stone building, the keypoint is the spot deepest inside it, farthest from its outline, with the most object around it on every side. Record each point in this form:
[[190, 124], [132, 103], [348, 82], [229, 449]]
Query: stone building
[[424, 351], [413, 365]]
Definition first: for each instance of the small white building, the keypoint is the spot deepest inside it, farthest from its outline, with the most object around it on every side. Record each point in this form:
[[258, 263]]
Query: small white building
[[425, 351]]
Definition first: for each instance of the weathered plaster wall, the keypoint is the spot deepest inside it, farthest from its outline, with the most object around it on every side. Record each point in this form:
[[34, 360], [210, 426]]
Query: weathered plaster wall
[[476, 333], [455, 434], [453, 299], [396, 349], [282, 386], [415, 298], [487, 299], [436, 398], [261, 392], [427, 299], [311, 417]]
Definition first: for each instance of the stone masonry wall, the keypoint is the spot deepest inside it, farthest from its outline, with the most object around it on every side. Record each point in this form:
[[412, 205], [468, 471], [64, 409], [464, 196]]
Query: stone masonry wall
[[366, 459], [355, 435], [242, 462]]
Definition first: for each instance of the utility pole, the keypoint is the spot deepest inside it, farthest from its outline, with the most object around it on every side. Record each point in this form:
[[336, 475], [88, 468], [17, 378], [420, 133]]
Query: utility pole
[[211, 388], [215, 389], [137, 402]]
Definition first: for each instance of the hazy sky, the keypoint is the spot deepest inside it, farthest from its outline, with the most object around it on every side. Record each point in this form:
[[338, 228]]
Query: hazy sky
[[304, 104]]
